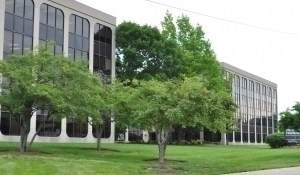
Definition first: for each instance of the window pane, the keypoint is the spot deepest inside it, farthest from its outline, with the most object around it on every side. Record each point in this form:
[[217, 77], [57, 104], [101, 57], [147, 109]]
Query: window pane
[[5, 122], [107, 64], [71, 40], [96, 62], [108, 51], [77, 54], [28, 27], [86, 44], [86, 28], [51, 33], [43, 32], [19, 7], [71, 54], [96, 47], [96, 33], [29, 9], [51, 16], [102, 62], [102, 49], [72, 24], [108, 35], [43, 15], [78, 25], [58, 49], [59, 37], [6, 56], [27, 44], [9, 6], [41, 42], [8, 38], [78, 43], [9, 21], [18, 43], [102, 31], [85, 56], [18, 24], [59, 19]]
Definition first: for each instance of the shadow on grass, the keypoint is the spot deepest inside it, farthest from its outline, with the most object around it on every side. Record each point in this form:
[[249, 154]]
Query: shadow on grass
[[17, 152], [102, 149]]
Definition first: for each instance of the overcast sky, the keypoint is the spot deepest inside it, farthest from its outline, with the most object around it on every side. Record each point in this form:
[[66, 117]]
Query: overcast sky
[[270, 55]]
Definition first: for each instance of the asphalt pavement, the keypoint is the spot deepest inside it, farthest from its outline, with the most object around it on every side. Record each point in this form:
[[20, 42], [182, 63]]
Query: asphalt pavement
[[282, 171]]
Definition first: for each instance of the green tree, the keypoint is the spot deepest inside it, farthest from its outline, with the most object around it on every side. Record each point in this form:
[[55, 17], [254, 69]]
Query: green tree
[[41, 80], [143, 53], [290, 119], [161, 106]]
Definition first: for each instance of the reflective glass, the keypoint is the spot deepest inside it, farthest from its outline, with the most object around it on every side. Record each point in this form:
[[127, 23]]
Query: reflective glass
[[51, 33], [108, 51], [59, 36], [43, 14], [51, 16], [9, 21], [18, 24], [86, 28], [107, 64], [78, 44], [78, 25], [86, 44], [19, 7], [96, 32], [58, 49], [102, 49], [59, 19], [27, 45], [29, 9], [71, 40], [18, 43], [71, 54], [72, 24], [77, 54], [8, 38], [102, 62], [43, 32], [9, 6], [28, 27], [96, 62]]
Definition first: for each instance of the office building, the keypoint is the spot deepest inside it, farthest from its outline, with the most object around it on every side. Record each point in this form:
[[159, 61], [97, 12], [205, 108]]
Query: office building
[[78, 31]]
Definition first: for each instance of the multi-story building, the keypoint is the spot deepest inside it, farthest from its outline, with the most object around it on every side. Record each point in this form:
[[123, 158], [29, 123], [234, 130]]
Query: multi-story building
[[78, 31], [256, 114]]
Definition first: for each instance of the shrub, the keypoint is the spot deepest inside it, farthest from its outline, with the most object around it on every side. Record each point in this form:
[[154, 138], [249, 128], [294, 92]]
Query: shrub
[[275, 140]]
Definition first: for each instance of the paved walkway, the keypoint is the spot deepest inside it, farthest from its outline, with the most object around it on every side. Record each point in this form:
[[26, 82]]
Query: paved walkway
[[282, 171]]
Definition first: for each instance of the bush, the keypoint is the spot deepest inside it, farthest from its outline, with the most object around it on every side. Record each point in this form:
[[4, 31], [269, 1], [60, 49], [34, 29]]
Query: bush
[[275, 140]]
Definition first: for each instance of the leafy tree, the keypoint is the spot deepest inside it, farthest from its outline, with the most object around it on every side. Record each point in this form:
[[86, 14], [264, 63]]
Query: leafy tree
[[161, 106], [290, 119], [143, 53], [41, 80]]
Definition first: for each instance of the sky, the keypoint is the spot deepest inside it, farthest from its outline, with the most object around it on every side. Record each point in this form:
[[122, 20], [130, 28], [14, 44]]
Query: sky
[[274, 56]]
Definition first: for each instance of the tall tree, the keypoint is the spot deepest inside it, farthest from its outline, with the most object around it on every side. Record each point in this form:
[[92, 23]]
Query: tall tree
[[41, 80], [161, 106], [143, 53]]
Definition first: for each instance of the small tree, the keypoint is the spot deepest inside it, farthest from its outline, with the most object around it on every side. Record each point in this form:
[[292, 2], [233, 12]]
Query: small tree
[[41, 80], [163, 105]]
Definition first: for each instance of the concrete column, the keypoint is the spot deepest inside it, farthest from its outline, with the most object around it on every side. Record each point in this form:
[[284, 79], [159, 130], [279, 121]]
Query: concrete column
[[2, 19], [126, 136], [145, 136], [63, 135], [202, 136], [66, 34], [36, 23], [223, 139], [91, 51]]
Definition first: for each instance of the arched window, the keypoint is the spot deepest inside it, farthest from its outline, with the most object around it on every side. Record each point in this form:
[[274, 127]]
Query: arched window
[[18, 27], [51, 128], [106, 132], [52, 27], [79, 34], [102, 49], [77, 128]]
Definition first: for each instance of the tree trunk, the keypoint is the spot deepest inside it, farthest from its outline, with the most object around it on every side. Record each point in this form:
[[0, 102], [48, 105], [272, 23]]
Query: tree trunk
[[99, 131], [161, 159], [36, 133], [24, 128], [162, 140]]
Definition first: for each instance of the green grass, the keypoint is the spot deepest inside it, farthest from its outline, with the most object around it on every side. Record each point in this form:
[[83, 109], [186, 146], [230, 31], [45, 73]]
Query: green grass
[[81, 159]]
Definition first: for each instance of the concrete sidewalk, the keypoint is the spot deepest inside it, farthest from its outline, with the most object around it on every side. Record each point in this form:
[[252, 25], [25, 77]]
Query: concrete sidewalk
[[282, 171]]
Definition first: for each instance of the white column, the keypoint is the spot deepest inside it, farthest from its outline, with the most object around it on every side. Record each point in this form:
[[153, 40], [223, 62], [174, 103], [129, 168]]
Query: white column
[[36, 24], [223, 139], [91, 50], [63, 135], [145, 136], [112, 132], [202, 136], [126, 135], [66, 34]]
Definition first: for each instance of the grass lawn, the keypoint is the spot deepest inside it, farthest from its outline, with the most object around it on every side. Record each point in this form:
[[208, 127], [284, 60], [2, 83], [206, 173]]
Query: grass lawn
[[80, 159]]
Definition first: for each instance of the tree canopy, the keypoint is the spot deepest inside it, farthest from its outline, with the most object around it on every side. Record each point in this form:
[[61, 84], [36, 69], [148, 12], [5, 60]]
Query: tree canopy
[[290, 119], [41, 80]]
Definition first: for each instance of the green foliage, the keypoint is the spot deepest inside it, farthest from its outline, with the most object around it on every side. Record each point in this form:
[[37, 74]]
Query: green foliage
[[42, 80], [290, 118], [275, 140]]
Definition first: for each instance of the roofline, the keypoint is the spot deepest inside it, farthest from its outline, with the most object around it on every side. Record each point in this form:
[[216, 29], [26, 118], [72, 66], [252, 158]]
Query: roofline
[[87, 10], [247, 74]]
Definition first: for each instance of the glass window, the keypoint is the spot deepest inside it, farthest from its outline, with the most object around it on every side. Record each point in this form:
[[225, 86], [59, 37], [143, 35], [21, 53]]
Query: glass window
[[108, 35], [106, 131], [9, 6], [72, 24], [96, 62], [108, 64], [77, 54], [19, 8], [43, 15], [85, 56], [96, 33], [43, 32], [85, 44], [51, 16], [18, 43], [96, 47], [27, 44], [29, 9], [102, 62], [102, 49], [77, 128], [51, 33], [71, 40], [50, 128], [108, 51], [28, 27], [58, 49], [78, 44], [86, 28], [59, 36], [59, 19], [18, 24], [71, 54], [9, 21], [78, 25], [8, 42]]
